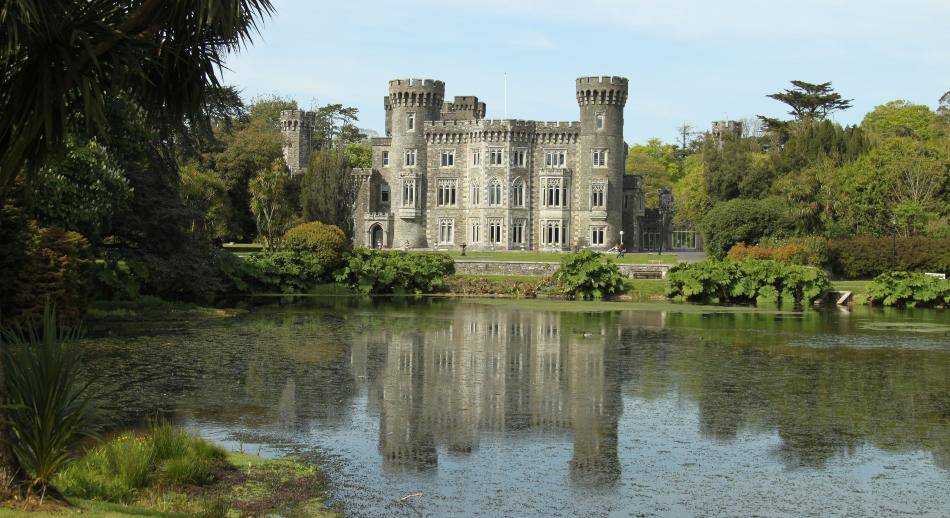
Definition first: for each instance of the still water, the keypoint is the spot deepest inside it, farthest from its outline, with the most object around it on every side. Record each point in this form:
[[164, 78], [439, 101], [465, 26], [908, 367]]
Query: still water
[[527, 408]]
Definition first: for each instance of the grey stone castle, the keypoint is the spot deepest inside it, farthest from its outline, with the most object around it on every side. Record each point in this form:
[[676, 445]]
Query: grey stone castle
[[445, 176]]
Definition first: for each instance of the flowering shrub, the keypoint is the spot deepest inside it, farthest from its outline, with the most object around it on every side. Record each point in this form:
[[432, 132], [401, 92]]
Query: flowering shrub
[[909, 290]]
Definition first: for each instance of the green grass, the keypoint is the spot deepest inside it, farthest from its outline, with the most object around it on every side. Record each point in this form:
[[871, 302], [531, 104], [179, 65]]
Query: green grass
[[243, 246], [855, 286], [92, 508], [502, 278], [555, 257]]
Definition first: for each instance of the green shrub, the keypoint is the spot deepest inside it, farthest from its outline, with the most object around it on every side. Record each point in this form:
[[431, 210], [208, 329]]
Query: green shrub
[[46, 405], [909, 290], [326, 242], [753, 281], [589, 275], [117, 280], [283, 271], [379, 271], [743, 221], [869, 256]]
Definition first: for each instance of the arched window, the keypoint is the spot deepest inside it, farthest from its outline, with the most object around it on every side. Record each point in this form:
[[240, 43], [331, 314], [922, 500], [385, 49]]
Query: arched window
[[494, 192], [476, 193], [517, 193]]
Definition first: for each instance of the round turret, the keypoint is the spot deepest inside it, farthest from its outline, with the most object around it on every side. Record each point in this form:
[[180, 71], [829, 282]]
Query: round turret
[[601, 90], [416, 92]]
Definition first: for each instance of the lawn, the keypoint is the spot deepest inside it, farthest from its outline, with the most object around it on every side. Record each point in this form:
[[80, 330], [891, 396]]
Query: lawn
[[555, 257], [855, 286]]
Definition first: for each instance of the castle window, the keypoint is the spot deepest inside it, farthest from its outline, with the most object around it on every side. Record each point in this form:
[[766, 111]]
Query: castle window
[[476, 193], [410, 158], [494, 231], [599, 120], [494, 192], [555, 158], [494, 156], [598, 193], [446, 192], [384, 193], [410, 121], [476, 158], [552, 232], [446, 231], [596, 236], [517, 193], [476, 230], [554, 194], [517, 231], [409, 193], [385, 158], [599, 157], [519, 157], [448, 158]]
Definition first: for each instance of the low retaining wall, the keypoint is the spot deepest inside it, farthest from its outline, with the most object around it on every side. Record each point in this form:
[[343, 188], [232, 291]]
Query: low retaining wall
[[633, 271]]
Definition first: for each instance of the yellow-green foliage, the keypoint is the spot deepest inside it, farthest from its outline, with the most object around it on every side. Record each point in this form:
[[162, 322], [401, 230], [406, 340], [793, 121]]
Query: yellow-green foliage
[[326, 242], [909, 289], [121, 469]]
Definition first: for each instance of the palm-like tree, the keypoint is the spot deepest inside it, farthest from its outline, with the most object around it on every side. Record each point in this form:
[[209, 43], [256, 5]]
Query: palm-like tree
[[61, 59]]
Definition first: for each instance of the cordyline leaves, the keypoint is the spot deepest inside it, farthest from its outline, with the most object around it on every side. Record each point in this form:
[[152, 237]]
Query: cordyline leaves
[[64, 57]]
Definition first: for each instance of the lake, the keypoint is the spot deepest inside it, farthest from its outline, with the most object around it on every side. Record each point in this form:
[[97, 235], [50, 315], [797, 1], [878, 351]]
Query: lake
[[535, 408]]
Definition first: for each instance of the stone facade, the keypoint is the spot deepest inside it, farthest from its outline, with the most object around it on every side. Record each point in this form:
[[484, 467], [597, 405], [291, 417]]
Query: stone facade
[[445, 176], [475, 267], [296, 126]]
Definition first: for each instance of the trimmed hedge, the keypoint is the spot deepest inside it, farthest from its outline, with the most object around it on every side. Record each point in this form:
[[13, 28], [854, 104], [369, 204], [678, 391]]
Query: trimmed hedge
[[379, 271], [806, 251], [909, 290], [753, 281], [326, 242], [870, 256]]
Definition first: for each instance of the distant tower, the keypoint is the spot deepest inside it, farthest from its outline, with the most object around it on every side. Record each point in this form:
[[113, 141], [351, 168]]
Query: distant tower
[[725, 130], [411, 103], [601, 101], [296, 126]]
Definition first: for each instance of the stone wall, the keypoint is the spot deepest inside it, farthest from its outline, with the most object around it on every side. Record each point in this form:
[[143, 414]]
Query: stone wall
[[470, 267]]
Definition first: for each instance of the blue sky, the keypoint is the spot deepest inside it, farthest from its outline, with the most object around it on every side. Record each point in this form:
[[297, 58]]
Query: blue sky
[[687, 60]]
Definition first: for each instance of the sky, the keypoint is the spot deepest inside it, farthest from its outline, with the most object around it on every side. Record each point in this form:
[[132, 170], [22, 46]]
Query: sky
[[692, 61]]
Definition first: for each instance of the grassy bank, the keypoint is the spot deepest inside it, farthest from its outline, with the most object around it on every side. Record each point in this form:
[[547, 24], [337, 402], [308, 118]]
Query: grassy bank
[[153, 309], [166, 472]]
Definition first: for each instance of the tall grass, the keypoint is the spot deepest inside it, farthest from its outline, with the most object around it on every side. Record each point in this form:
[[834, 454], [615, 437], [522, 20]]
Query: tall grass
[[46, 403], [122, 469]]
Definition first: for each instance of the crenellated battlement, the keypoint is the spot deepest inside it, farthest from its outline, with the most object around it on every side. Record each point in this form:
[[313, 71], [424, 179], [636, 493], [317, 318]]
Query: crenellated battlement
[[413, 82], [603, 90], [601, 81], [416, 92]]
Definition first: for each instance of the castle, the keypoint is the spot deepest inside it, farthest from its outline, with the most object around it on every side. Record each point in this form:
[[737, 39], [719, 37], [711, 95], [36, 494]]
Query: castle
[[444, 176]]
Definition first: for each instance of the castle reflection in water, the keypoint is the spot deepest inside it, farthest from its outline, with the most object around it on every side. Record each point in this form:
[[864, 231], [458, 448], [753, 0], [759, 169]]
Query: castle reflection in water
[[487, 373]]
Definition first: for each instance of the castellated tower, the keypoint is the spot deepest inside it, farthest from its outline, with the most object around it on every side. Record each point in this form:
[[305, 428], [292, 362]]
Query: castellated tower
[[601, 155], [411, 102], [296, 126]]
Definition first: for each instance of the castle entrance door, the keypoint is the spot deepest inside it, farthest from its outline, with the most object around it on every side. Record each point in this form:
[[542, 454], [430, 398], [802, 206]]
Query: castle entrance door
[[376, 237]]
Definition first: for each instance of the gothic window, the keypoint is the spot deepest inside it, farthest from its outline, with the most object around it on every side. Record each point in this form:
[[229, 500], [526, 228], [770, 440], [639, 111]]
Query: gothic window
[[494, 192], [554, 194], [596, 236], [552, 232], [598, 193], [494, 156], [494, 231], [599, 120], [385, 158], [409, 193], [476, 193], [384, 194], [476, 230], [410, 157], [410, 121], [517, 193], [599, 157], [555, 158], [476, 158], [519, 157], [446, 231], [447, 192], [448, 158], [517, 231]]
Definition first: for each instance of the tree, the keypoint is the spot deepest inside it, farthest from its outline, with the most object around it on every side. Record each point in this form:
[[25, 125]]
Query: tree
[[206, 194], [329, 190], [269, 203], [689, 192], [743, 221], [810, 101], [900, 119], [71, 56], [334, 126], [657, 163], [358, 155]]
